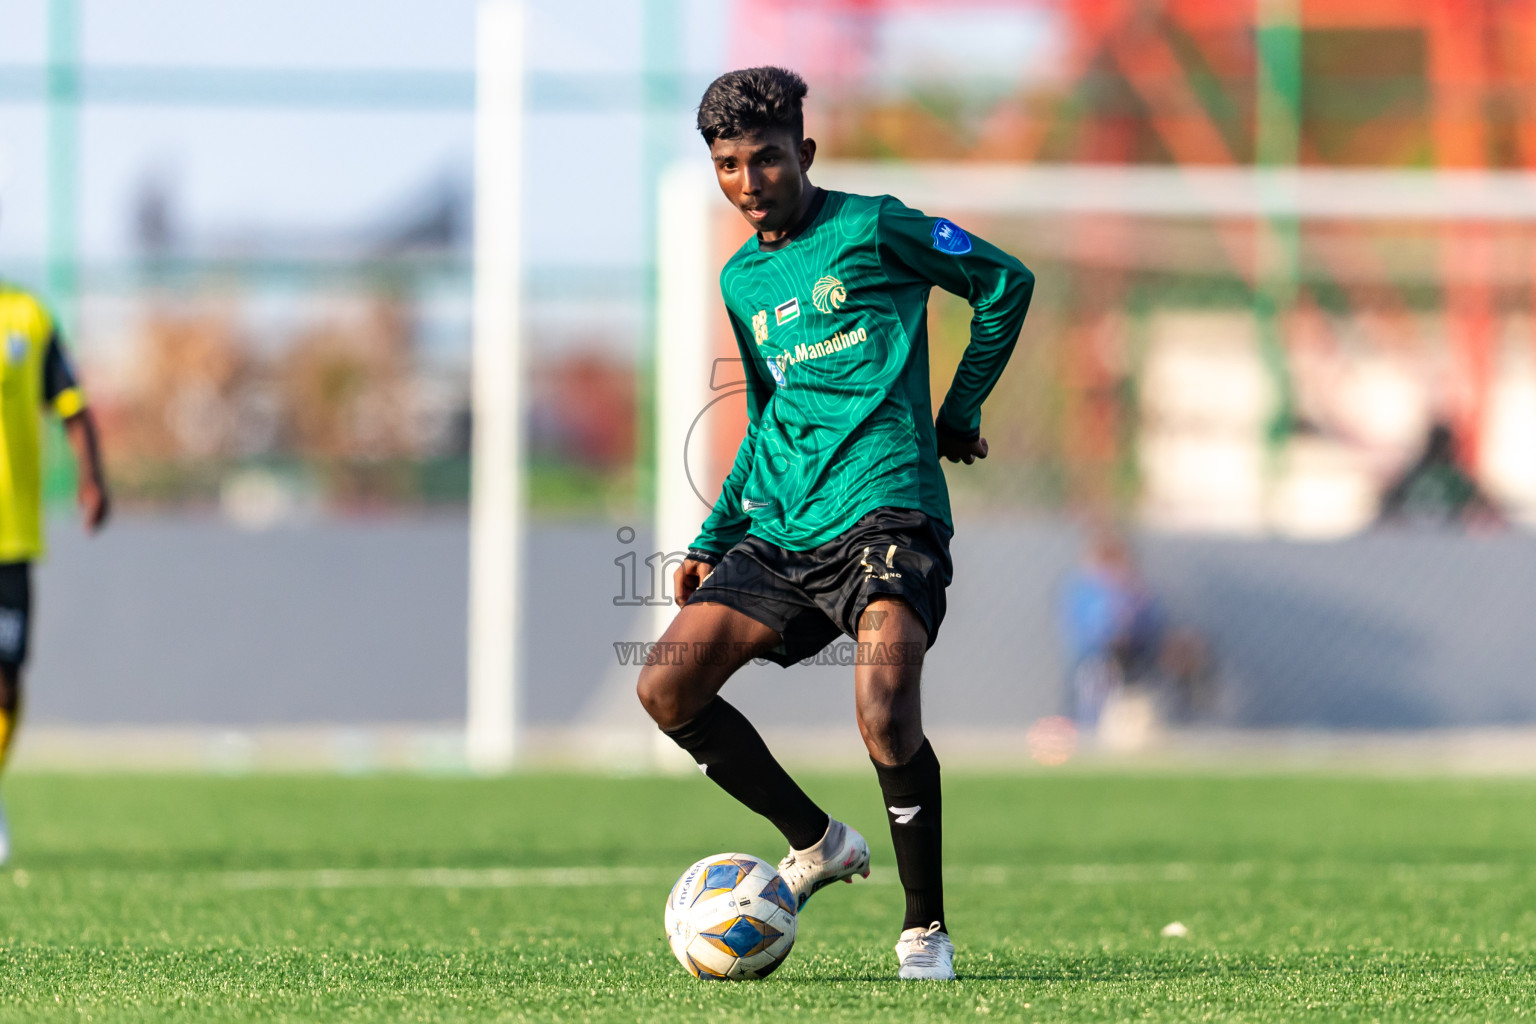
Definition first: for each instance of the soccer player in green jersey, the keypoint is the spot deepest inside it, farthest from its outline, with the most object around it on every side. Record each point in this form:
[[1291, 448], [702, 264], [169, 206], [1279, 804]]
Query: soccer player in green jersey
[[34, 376], [835, 516]]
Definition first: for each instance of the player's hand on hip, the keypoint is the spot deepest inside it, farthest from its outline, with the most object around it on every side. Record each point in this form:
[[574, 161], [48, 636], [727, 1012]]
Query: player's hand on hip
[[956, 450], [688, 577]]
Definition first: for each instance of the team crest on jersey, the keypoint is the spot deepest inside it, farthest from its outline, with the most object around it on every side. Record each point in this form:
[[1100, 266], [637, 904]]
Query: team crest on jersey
[[760, 326], [16, 348], [784, 312], [829, 294], [778, 374], [948, 238]]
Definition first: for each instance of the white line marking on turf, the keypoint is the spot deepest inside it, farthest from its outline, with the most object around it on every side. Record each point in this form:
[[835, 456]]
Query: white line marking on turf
[[445, 878], [973, 874]]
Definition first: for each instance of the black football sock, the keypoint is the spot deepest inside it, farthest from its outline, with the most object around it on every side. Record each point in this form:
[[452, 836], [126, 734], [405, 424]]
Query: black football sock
[[731, 753], [911, 793]]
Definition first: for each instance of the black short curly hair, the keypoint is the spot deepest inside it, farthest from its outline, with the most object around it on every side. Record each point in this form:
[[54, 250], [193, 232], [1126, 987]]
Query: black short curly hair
[[750, 100]]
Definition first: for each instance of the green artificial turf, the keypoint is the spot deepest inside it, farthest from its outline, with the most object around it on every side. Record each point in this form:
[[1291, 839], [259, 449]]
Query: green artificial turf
[[186, 898]]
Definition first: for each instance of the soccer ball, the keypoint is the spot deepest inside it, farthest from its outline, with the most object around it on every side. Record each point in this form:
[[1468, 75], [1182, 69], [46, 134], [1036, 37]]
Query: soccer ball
[[731, 917]]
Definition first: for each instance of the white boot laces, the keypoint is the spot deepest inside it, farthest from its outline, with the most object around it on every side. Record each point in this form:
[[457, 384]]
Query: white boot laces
[[921, 951]]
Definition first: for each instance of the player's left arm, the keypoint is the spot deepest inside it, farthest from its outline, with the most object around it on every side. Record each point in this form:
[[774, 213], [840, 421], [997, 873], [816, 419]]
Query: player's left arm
[[61, 392], [999, 289]]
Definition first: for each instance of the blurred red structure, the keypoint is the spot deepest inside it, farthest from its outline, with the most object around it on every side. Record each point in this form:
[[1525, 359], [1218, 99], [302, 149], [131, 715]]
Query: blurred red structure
[[1183, 62], [1425, 84]]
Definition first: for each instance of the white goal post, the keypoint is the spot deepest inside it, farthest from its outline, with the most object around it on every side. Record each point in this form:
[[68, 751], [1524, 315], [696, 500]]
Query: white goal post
[[687, 295], [497, 515]]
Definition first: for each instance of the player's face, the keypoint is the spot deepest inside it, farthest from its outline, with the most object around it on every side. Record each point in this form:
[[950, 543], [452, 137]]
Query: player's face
[[763, 175]]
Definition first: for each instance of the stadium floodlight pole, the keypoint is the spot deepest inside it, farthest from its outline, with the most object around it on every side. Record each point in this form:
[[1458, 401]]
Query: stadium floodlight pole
[[684, 292], [497, 502]]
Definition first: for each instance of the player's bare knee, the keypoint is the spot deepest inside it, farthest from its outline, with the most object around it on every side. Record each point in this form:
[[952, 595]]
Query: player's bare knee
[[879, 718], [895, 743], [875, 726], [672, 694], [659, 691], [890, 714], [892, 744]]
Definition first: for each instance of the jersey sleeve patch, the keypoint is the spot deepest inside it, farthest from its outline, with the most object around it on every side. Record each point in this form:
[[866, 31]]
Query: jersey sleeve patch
[[778, 374], [948, 238], [69, 402]]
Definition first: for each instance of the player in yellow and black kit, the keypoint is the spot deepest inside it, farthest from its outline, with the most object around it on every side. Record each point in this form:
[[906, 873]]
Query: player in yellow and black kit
[[35, 377]]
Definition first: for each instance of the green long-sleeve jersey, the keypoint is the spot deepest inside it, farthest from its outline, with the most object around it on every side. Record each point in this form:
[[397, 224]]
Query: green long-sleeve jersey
[[833, 333]]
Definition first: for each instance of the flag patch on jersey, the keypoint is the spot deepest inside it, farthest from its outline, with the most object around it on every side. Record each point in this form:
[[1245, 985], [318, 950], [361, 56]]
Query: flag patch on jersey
[[787, 311], [947, 237]]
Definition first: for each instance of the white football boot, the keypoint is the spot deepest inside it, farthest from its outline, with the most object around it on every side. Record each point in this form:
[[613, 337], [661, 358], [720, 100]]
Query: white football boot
[[925, 954], [841, 854], [5, 836]]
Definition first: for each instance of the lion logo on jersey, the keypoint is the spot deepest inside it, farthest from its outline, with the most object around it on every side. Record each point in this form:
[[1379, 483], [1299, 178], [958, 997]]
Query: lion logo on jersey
[[829, 294]]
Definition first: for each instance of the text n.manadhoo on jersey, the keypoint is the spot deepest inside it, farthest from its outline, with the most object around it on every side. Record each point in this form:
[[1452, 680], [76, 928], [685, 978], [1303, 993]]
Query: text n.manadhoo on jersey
[[833, 332]]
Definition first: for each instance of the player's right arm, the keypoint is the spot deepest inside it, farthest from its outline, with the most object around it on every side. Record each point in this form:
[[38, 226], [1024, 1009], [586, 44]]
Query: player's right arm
[[728, 523], [62, 394], [85, 442]]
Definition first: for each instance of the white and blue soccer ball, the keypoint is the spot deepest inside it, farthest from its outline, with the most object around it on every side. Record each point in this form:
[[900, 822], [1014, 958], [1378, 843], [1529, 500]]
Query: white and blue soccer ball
[[730, 918]]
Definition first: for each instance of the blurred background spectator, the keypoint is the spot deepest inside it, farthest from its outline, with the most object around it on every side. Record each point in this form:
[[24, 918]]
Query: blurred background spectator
[[1111, 625], [1436, 491], [1121, 650]]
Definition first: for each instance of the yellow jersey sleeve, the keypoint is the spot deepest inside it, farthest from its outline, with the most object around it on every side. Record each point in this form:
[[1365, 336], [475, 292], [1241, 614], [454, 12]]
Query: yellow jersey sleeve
[[60, 389]]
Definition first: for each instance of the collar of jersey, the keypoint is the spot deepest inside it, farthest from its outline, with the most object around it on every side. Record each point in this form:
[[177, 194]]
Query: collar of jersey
[[812, 215]]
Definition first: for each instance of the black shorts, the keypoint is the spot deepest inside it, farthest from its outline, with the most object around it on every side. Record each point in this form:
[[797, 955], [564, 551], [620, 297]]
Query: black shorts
[[811, 597], [15, 612]]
